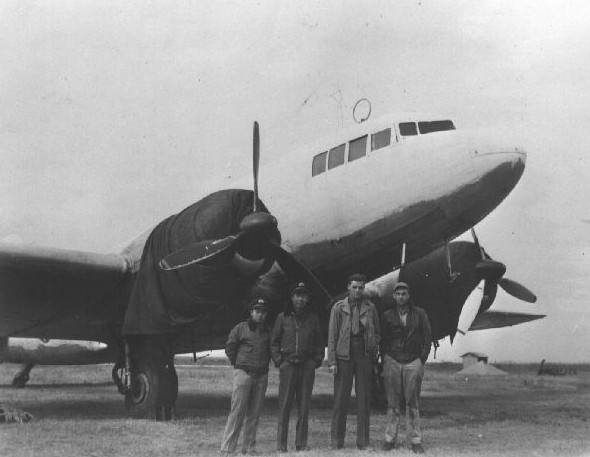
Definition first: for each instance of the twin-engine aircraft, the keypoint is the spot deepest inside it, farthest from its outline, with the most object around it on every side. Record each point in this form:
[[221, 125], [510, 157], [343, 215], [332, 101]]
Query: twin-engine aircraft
[[383, 199]]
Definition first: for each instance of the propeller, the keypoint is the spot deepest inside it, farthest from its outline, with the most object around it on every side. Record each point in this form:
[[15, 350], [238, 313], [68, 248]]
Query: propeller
[[258, 238], [490, 274], [256, 231], [493, 272]]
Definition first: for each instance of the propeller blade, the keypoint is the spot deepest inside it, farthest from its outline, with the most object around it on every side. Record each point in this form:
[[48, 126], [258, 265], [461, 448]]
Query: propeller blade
[[517, 290], [476, 241], [256, 162], [203, 253], [291, 266], [490, 290], [470, 309]]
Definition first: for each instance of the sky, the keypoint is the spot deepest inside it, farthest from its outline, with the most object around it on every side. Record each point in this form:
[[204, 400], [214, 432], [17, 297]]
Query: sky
[[114, 115]]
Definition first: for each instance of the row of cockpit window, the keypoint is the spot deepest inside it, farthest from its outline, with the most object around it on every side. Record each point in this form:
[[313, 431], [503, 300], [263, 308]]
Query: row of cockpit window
[[357, 148]]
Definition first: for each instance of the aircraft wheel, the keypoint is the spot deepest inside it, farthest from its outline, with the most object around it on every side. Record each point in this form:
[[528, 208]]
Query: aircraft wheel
[[154, 390], [142, 400]]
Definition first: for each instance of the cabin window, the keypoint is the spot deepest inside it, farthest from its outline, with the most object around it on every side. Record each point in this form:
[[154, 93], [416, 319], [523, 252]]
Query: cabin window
[[357, 148], [408, 129], [380, 139], [336, 156], [435, 126], [319, 164]]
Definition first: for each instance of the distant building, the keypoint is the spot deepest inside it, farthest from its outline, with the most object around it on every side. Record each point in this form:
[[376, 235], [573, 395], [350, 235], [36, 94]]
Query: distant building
[[471, 358]]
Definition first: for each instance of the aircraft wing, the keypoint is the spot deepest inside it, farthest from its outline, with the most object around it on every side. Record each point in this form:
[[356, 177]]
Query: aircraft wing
[[498, 319], [48, 293]]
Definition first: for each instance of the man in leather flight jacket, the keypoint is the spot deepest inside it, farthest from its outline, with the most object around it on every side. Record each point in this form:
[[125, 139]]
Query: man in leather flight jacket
[[405, 347], [248, 350], [297, 349]]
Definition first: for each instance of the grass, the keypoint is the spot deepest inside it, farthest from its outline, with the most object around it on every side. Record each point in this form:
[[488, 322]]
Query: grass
[[77, 411]]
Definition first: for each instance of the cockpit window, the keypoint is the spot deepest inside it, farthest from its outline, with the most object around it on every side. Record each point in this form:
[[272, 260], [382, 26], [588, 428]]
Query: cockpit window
[[408, 129], [357, 148], [319, 164], [380, 139], [435, 126], [336, 156]]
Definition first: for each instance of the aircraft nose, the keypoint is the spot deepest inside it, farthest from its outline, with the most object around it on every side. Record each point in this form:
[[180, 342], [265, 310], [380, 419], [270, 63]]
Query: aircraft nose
[[486, 144], [494, 153], [499, 163]]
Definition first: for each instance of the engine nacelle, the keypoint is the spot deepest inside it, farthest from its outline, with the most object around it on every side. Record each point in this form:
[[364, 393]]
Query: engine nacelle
[[53, 352]]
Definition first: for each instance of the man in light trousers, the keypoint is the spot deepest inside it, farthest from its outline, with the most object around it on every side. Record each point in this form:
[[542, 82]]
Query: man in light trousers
[[406, 340], [248, 350]]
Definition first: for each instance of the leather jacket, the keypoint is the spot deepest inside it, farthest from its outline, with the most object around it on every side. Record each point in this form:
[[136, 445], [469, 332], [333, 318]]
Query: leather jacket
[[248, 347], [409, 342], [296, 339]]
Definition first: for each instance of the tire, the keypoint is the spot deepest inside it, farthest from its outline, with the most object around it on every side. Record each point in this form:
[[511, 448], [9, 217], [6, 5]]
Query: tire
[[155, 386], [141, 401]]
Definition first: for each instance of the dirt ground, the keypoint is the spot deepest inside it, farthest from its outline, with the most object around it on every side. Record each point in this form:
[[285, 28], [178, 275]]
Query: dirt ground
[[77, 411]]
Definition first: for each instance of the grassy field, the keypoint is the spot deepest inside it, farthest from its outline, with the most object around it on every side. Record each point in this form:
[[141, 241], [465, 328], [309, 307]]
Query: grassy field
[[77, 411]]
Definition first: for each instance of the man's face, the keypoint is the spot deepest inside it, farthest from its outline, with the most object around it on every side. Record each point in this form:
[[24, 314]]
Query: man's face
[[258, 315], [300, 300], [355, 290], [401, 296]]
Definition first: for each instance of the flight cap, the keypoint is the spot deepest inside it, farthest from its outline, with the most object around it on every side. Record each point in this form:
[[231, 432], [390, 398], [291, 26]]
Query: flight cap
[[401, 285]]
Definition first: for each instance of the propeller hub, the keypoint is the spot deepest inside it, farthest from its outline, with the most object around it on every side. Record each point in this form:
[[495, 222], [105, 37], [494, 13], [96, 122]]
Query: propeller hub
[[263, 225], [490, 270]]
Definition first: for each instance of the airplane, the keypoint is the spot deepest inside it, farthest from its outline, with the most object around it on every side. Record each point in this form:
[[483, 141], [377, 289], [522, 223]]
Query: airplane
[[384, 197]]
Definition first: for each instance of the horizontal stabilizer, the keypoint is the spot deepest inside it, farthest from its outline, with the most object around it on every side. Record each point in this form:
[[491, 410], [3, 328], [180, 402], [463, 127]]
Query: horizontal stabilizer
[[498, 319]]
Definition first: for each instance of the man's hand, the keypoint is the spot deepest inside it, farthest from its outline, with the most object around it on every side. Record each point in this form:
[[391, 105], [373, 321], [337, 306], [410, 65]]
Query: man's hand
[[333, 369]]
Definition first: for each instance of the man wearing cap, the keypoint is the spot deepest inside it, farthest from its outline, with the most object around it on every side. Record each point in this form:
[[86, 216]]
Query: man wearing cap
[[353, 336], [405, 348], [248, 350], [297, 349]]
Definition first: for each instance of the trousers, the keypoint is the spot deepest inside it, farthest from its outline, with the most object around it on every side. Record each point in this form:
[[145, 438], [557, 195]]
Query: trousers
[[403, 383], [295, 383], [246, 403], [359, 367]]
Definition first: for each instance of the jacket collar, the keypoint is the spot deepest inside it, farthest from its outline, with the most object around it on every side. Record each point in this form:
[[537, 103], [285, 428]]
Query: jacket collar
[[347, 307]]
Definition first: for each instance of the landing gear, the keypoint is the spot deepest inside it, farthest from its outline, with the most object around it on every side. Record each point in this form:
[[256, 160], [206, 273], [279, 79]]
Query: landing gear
[[148, 379], [154, 390], [22, 377]]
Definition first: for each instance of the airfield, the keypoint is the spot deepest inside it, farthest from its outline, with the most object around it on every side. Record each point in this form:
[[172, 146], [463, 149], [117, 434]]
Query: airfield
[[77, 411]]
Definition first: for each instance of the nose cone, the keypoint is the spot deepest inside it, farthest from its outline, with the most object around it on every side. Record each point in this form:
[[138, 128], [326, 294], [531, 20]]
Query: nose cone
[[499, 161]]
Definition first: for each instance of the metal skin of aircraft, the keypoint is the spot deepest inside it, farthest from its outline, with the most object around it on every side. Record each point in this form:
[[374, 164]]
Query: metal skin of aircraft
[[383, 195]]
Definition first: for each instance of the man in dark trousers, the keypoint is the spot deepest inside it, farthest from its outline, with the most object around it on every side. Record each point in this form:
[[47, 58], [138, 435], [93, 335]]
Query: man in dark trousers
[[297, 349], [405, 348], [353, 336], [248, 350]]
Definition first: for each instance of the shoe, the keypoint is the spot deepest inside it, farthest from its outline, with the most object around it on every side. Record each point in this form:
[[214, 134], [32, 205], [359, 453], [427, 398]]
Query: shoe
[[335, 447], [387, 446], [418, 449], [282, 449], [302, 448]]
